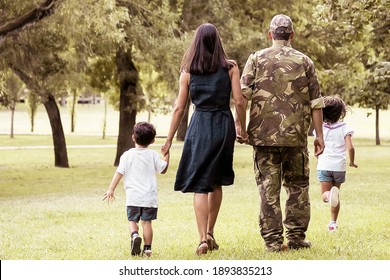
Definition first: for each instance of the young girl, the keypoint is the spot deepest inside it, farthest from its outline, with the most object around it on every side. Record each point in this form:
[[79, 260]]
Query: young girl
[[331, 167]]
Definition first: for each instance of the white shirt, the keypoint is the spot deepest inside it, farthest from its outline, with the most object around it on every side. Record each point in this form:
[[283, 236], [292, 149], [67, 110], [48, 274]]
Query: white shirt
[[334, 157], [139, 167]]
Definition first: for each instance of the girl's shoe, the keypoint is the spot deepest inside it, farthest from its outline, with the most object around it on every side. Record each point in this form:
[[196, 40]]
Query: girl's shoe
[[211, 242], [332, 227], [202, 248]]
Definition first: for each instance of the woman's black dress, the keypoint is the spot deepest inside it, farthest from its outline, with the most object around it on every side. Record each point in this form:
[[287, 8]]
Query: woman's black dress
[[207, 157]]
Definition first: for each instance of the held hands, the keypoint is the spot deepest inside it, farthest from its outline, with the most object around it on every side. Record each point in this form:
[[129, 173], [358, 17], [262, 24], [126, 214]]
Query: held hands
[[165, 148], [242, 139], [241, 135]]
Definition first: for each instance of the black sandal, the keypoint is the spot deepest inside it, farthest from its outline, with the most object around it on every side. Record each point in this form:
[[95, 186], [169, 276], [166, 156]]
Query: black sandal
[[211, 242], [202, 248]]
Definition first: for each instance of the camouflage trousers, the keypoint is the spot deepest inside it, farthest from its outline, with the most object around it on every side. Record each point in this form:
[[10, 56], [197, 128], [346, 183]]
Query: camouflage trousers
[[273, 167]]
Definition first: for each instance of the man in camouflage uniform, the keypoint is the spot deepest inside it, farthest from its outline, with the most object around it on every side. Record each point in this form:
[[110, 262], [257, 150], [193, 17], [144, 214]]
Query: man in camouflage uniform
[[282, 85]]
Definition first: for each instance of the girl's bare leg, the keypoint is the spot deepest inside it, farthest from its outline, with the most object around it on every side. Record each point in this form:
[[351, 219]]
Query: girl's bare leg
[[325, 189]]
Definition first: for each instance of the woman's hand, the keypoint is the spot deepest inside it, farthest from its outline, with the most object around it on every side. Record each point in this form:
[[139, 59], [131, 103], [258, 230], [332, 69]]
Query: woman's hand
[[241, 135]]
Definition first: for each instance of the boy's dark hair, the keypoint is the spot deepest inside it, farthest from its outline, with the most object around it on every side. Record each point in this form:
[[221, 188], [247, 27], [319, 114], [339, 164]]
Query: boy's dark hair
[[144, 133], [334, 110]]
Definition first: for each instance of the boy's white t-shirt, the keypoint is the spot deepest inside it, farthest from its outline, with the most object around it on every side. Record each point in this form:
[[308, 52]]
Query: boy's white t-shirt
[[139, 167], [334, 157]]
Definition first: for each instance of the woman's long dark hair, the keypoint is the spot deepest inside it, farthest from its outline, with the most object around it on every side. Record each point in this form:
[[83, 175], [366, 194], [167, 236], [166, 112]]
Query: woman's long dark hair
[[206, 53]]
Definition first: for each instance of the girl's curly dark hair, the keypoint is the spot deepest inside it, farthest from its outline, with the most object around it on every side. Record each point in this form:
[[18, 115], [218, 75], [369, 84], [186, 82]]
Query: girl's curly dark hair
[[334, 110]]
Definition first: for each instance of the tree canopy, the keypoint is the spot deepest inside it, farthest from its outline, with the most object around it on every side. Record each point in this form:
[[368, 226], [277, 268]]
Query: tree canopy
[[131, 50]]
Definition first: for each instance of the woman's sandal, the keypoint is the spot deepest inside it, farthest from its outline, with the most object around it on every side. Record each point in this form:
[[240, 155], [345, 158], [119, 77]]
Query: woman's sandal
[[202, 248], [212, 244]]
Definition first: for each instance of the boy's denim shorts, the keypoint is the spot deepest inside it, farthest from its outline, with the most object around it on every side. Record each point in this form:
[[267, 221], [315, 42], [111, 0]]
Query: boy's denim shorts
[[135, 213], [331, 176]]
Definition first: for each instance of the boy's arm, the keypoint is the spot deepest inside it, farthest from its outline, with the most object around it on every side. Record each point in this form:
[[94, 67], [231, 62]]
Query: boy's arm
[[351, 150], [166, 158], [109, 195]]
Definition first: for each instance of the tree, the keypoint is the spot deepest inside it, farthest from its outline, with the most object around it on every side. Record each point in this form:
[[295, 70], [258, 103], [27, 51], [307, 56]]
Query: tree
[[373, 94], [10, 32], [151, 31], [128, 83], [38, 55], [32, 106], [360, 36], [10, 90], [38, 72], [102, 77]]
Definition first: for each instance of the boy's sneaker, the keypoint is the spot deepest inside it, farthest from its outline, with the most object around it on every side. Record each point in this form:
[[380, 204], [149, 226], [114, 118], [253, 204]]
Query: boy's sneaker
[[147, 253], [136, 244], [332, 227], [333, 198]]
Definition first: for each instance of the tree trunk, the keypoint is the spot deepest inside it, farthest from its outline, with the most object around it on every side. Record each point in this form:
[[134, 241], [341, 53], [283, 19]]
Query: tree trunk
[[128, 78], [32, 121], [60, 152], [73, 111], [104, 117], [377, 138], [182, 129], [12, 119]]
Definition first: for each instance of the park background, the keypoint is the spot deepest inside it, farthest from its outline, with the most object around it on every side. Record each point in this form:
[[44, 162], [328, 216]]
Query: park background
[[90, 119], [57, 213], [127, 54]]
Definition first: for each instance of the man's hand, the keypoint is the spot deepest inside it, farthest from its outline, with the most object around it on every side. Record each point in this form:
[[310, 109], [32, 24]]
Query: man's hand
[[319, 146]]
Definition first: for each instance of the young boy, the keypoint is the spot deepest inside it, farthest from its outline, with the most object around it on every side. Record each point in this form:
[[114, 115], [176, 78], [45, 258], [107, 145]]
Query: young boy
[[331, 166], [139, 166]]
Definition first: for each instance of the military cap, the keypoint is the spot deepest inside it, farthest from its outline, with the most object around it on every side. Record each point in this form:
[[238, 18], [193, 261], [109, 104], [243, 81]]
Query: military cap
[[281, 21]]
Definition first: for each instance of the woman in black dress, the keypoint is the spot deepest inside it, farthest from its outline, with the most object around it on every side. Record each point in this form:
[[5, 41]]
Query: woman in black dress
[[209, 78]]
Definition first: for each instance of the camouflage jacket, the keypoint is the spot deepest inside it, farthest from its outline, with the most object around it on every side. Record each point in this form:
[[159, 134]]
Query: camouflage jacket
[[283, 88]]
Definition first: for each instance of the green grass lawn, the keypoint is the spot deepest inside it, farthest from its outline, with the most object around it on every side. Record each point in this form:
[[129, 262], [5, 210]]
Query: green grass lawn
[[58, 213]]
